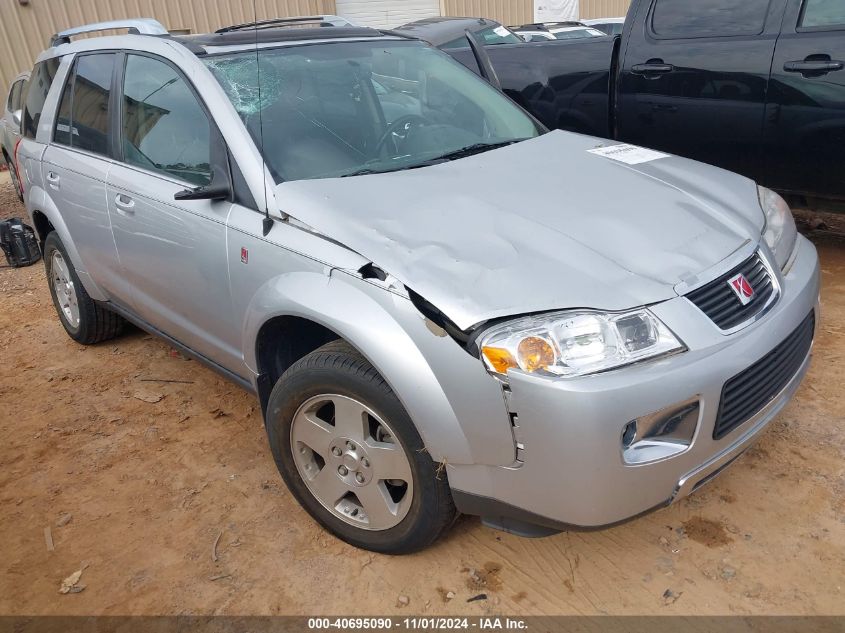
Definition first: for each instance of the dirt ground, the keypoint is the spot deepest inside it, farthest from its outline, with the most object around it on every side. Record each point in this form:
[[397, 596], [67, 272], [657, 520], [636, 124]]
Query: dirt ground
[[144, 483]]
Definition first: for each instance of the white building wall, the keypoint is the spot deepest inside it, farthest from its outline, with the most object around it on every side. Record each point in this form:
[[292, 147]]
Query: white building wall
[[556, 10], [386, 13]]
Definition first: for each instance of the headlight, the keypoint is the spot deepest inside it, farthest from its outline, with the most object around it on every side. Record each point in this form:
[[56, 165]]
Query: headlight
[[780, 232], [576, 343]]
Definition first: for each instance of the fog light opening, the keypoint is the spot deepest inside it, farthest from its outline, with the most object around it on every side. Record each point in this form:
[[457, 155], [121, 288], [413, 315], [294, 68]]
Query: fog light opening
[[629, 434], [661, 434]]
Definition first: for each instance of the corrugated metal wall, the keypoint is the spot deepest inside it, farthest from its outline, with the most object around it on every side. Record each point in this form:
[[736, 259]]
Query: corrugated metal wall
[[604, 8], [387, 14], [25, 29], [504, 11], [522, 11]]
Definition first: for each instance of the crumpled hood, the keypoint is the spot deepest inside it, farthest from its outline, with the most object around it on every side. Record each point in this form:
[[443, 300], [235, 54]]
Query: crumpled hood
[[537, 226]]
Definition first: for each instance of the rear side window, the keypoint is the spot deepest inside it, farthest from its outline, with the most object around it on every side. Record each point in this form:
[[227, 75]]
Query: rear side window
[[682, 19], [164, 127], [37, 89], [83, 118], [822, 13]]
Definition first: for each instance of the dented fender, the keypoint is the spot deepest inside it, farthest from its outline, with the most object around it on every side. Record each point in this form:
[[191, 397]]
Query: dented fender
[[457, 407]]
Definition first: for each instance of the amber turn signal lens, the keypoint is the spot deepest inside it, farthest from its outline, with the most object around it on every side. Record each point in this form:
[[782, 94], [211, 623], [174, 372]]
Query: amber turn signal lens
[[500, 360], [535, 353]]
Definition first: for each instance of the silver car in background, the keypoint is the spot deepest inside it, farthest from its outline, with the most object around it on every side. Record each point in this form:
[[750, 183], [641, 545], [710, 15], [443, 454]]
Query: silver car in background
[[10, 127], [441, 306]]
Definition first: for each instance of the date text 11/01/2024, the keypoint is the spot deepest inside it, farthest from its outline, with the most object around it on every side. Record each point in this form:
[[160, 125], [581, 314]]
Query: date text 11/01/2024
[[418, 623]]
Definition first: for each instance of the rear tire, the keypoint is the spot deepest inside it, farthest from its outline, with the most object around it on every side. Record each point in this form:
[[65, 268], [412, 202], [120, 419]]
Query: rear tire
[[15, 180], [86, 321], [350, 454]]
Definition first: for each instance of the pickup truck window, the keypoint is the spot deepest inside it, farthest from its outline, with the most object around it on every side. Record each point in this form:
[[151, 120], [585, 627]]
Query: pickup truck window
[[682, 19], [491, 36], [821, 13]]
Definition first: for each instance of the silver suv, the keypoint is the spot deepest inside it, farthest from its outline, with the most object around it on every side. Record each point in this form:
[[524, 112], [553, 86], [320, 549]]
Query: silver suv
[[441, 306]]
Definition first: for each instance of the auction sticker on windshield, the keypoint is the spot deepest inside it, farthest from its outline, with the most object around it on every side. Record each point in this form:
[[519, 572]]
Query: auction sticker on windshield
[[628, 154]]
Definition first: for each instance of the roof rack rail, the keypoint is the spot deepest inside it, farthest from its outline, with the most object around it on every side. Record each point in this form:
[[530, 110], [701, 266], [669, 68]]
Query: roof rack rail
[[137, 26], [322, 20], [545, 26]]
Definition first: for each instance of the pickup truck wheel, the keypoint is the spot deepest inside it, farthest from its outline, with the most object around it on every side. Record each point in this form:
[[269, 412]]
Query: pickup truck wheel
[[350, 454], [85, 320], [15, 180]]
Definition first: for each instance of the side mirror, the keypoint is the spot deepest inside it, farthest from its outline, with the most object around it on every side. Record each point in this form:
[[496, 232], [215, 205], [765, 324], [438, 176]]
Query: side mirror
[[17, 115], [209, 192], [525, 37]]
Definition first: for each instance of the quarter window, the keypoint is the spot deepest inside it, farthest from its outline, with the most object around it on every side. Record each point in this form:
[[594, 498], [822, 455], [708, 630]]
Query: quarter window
[[683, 19], [63, 121], [822, 13], [37, 89], [164, 127]]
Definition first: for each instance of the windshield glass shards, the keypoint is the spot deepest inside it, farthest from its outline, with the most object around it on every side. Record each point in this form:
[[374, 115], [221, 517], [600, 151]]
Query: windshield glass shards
[[354, 108]]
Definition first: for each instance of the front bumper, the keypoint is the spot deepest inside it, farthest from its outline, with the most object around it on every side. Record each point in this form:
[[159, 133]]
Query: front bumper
[[572, 473]]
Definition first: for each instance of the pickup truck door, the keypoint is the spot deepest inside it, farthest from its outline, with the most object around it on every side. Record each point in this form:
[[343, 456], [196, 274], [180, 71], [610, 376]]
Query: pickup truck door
[[694, 76], [805, 122], [173, 252]]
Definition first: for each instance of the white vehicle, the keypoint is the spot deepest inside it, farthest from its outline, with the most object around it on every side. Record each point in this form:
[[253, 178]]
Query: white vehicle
[[608, 26], [556, 31]]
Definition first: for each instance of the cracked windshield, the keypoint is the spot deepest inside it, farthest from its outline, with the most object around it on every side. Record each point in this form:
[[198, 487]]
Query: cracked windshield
[[354, 108]]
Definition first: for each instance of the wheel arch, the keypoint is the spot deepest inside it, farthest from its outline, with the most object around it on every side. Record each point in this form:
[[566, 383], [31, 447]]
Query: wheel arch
[[46, 217], [43, 226], [309, 310]]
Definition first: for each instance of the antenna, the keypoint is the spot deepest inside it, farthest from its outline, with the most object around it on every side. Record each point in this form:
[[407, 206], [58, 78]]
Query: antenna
[[268, 221]]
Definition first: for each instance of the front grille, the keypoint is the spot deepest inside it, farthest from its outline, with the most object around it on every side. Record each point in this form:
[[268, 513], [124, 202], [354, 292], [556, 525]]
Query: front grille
[[744, 395], [718, 301]]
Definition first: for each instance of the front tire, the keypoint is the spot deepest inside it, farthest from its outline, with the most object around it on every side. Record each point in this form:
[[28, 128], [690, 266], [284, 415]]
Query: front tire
[[350, 454], [86, 321]]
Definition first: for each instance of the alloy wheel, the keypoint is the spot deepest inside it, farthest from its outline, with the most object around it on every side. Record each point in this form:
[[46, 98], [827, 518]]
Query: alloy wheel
[[352, 461], [64, 289]]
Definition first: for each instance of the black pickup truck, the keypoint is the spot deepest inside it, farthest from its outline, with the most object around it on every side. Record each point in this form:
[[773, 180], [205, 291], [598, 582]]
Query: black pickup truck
[[756, 86]]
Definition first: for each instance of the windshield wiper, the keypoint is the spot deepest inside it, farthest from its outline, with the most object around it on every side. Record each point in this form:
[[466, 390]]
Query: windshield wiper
[[368, 170], [469, 150], [476, 148]]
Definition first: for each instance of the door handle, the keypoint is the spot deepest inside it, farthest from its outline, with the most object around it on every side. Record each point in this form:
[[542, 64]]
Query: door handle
[[53, 180], [652, 69], [125, 205], [814, 66]]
